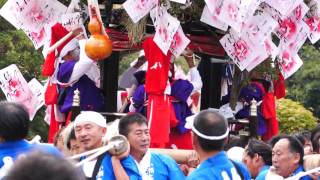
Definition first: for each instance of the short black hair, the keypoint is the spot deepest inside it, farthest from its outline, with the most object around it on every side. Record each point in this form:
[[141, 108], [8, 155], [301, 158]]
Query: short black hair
[[303, 136], [39, 166], [235, 141], [14, 121], [210, 123], [262, 149], [128, 120], [295, 146], [275, 139]]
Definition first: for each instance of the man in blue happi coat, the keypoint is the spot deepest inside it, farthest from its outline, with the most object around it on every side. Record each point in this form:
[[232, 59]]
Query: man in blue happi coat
[[287, 158], [90, 128], [209, 135], [151, 165], [14, 127]]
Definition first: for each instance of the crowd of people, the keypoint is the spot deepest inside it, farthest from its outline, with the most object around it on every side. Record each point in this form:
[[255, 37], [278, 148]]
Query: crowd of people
[[282, 157]]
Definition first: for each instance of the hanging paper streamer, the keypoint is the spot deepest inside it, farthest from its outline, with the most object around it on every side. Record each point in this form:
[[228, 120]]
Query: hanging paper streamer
[[289, 64], [16, 89], [137, 9], [234, 12], [212, 19], [179, 43], [166, 27]]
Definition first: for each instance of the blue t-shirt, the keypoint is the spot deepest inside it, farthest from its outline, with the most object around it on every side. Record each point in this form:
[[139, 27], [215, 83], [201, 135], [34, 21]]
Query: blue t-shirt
[[164, 167], [263, 173], [219, 167], [106, 170], [10, 151]]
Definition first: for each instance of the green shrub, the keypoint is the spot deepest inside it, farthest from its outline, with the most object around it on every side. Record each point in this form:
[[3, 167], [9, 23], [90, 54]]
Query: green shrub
[[294, 117]]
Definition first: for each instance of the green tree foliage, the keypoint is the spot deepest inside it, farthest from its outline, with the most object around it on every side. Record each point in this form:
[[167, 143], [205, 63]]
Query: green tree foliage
[[293, 117], [304, 85]]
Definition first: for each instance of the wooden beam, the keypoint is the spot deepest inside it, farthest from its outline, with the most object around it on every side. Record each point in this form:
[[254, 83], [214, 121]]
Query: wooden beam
[[109, 73], [211, 78]]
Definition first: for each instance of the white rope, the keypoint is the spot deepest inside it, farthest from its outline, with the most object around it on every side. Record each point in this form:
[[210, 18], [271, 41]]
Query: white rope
[[97, 152], [86, 153], [301, 174], [94, 156]]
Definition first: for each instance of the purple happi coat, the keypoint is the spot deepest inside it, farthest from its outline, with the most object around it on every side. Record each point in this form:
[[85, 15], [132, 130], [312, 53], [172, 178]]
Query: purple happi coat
[[181, 90], [248, 93], [91, 97]]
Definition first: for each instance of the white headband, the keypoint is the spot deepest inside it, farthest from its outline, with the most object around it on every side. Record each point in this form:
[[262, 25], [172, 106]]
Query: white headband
[[190, 125], [90, 116]]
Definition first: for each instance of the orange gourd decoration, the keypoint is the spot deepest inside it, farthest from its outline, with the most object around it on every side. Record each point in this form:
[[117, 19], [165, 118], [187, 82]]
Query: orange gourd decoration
[[98, 46]]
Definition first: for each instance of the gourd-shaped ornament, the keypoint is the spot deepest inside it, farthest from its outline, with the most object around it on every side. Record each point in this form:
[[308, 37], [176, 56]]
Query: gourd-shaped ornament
[[98, 46]]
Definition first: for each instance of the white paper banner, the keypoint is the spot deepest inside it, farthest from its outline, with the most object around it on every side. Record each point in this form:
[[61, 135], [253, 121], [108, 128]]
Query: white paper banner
[[314, 27], [242, 51], [40, 13], [38, 38], [179, 43], [212, 19], [137, 9], [37, 91], [16, 89], [166, 27], [10, 11], [259, 27], [290, 26], [289, 64], [266, 8], [71, 21], [214, 6], [235, 12], [271, 48], [284, 6], [295, 42]]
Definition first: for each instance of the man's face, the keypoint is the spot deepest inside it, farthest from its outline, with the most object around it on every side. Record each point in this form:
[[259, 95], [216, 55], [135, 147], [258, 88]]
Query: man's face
[[89, 135], [284, 161], [252, 163], [139, 138]]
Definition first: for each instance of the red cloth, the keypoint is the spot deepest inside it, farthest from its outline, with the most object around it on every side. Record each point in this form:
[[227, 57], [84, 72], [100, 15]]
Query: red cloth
[[158, 114], [181, 141], [158, 67], [269, 113], [158, 111], [279, 87], [57, 32], [54, 126], [51, 94]]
